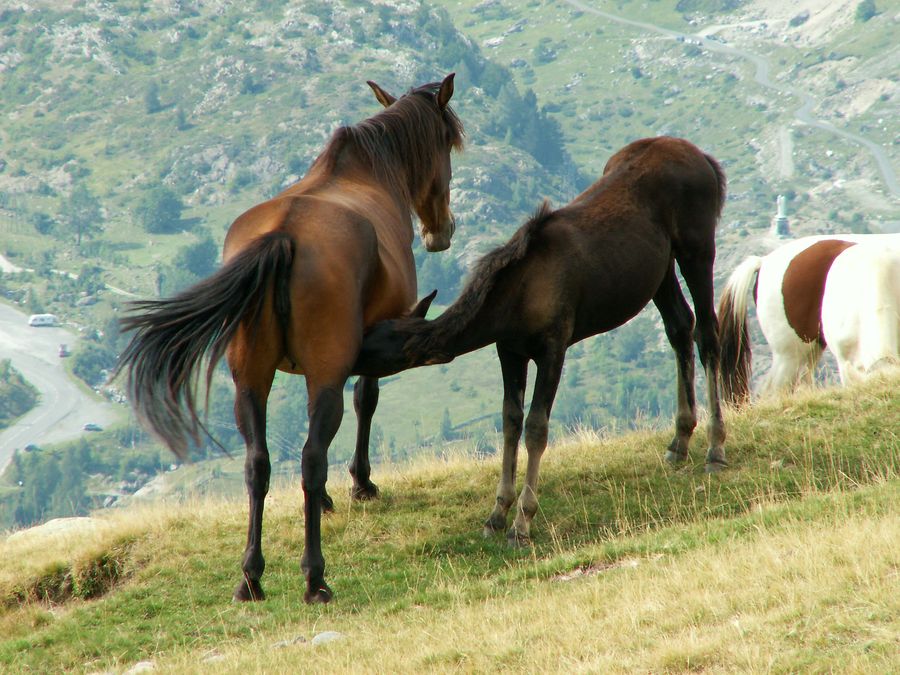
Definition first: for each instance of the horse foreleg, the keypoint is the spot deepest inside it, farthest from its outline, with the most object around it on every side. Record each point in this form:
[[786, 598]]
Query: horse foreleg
[[326, 408], [549, 370], [515, 369], [250, 414], [679, 324], [365, 400]]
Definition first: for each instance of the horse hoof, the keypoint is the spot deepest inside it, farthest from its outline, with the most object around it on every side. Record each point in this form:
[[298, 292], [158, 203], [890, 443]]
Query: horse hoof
[[248, 591], [327, 503], [715, 466], [517, 540], [673, 457], [364, 493], [321, 596], [492, 526]]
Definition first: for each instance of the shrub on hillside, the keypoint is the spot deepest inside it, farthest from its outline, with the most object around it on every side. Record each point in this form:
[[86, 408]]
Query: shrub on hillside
[[17, 396], [91, 363], [866, 10], [159, 211]]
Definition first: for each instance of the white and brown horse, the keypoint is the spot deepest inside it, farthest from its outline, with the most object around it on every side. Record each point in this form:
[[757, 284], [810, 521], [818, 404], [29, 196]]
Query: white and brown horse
[[861, 309], [789, 287]]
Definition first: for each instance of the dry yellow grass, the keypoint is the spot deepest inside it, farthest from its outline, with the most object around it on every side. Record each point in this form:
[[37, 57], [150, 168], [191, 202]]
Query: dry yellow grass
[[805, 596]]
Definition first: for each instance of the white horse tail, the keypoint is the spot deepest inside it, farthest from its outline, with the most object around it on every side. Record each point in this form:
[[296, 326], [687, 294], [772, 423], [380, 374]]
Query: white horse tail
[[734, 336]]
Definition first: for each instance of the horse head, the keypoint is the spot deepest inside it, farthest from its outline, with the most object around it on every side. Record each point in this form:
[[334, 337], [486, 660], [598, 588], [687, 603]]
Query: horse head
[[430, 187], [383, 351]]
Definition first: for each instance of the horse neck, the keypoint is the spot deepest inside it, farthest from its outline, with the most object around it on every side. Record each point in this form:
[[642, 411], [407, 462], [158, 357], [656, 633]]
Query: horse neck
[[350, 182], [393, 167], [452, 334]]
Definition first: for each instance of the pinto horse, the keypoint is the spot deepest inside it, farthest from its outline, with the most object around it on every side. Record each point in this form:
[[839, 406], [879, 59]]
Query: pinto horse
[[861, 309], [788, 286], [568, 274], [304, 274]]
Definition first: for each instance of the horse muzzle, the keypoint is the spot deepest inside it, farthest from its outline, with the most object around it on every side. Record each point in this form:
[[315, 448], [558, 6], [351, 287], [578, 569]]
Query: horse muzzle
[[440, 241]]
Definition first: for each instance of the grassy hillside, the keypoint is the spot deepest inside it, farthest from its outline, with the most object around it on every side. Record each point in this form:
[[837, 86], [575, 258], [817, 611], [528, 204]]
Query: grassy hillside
[[785, 562]]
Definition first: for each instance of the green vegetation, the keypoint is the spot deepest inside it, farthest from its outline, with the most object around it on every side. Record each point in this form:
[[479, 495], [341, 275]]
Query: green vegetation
[[159, 211], [787, 559], [17, 395], [866, 10]]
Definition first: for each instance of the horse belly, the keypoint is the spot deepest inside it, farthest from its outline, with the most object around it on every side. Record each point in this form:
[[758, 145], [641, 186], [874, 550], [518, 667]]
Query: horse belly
[[607, 304]]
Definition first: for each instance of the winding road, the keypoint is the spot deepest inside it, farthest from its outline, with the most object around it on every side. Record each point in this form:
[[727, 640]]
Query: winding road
[[64, 407], [762, 77]]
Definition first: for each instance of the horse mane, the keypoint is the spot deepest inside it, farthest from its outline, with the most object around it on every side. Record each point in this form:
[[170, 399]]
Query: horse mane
[[426, 337], [401, 142]]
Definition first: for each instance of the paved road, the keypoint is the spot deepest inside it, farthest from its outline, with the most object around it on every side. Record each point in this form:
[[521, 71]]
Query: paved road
[[762, 76], [63, 408]]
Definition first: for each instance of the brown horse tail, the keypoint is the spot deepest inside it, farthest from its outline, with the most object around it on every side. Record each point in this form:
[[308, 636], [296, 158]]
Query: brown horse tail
[[174, 335], [720, 180], [734, 337]]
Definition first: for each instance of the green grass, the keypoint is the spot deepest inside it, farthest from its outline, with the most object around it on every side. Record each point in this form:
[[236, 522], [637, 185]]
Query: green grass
[[417, 587]]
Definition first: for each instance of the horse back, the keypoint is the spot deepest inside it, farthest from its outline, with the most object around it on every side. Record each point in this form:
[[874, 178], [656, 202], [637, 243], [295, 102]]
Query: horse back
[[681, 187], [353, 247]]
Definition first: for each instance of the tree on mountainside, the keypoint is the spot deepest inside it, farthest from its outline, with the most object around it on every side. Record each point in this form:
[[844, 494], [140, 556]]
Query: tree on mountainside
[[529, 128], [200, 258], [42, 222], [865, 10], [91, 361], [81, 215], [159, 211], [151, 99]]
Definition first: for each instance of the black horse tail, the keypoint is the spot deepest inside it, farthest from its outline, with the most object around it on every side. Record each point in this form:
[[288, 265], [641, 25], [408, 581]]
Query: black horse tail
[[734, 337], [174, 335]]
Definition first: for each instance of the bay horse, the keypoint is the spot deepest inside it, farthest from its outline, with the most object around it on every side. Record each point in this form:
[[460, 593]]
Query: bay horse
[[304, 274], [788, 286], [570, 273]]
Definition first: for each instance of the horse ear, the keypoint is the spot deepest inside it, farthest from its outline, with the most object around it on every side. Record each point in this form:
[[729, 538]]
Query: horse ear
[[383, 97], [446, 91], [421, 308]]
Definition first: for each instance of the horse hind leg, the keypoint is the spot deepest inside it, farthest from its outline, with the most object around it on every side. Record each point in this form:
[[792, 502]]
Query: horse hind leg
[[250, 415], [365, 400], [698, 275], [679, 324], [514, 369], [326, 408], [792, 367]]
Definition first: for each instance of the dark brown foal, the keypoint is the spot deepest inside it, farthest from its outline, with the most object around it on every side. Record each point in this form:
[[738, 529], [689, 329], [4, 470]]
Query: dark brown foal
[[567, 274]]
